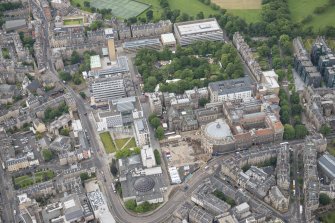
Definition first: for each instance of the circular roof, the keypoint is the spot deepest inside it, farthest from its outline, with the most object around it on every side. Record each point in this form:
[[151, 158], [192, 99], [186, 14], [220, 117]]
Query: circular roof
[[144, 184], [218, 129]]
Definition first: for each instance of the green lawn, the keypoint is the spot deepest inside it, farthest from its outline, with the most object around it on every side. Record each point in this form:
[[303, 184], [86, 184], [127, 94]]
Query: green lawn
[[191, 7], [249, 15], [73, 22], [328, 217], [5, 53], [121, 142], [108, 143], [301, 8], [120, 8], [27, 180]]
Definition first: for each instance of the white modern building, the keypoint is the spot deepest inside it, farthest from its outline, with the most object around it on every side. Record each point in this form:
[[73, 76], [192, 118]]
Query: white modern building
[[104, 89], [148, 158], [168, 39], [141, 132], [231, 90], [189, 32]]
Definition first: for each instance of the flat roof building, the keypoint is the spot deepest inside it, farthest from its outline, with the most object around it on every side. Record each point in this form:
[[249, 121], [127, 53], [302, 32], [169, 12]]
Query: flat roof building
[[95, 62], [327, 165], [168, 39], [104, 89], [18, 24], [189, 32], [231, 90], [133, 46]]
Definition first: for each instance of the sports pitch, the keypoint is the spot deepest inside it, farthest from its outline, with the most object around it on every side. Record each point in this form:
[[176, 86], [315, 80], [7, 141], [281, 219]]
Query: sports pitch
[[121, 8], [238, 4]]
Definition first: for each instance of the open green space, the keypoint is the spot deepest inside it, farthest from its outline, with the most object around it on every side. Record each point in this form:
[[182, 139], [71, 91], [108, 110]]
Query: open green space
[[73, 22], [5, 53], [328, 217], [120, 8], [28, 180], [108, 143], [249, 15], [123, 143], [299, 9]]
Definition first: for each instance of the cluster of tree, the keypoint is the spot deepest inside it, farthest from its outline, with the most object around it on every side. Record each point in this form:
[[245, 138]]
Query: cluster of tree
[[126, 152], [219, 194], [27, 42], [84, 176], [190, 65], [156, 124], [66, 76], [51, 113], [290, 116], [157, 157], [64, 132], [141, 208], [113, 168], [325, 129], [324, 199], [47, 155], [7, 6]]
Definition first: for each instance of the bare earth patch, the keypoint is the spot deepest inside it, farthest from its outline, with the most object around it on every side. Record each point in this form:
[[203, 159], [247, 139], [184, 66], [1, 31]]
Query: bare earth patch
[[238, 4]]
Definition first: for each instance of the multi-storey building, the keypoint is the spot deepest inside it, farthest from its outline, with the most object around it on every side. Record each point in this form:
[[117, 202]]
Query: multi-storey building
[[247, 55], [311, 185], [151, 29], [231, 90], [135, 45], [104, 89], [283, 167], [17, 164], [155, 104], [198, 30], [141, 132], [304, 66]]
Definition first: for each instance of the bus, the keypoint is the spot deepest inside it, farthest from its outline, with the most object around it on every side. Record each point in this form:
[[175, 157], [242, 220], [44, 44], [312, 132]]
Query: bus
[[113, 188]]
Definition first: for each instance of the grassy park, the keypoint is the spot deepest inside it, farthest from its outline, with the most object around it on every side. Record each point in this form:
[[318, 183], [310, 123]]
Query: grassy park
[[107, 141], [31, 179], [73, 22], [126, 143], [301, 8]]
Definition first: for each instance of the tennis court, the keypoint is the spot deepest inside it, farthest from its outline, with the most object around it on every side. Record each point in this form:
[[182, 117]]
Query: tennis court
[[121, 8]]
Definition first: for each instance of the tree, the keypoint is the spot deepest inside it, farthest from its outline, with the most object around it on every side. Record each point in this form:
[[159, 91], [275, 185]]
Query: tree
[[152, 116], [114, 169], [325, 129], [65, 76], [96, 25], [149, 14], [296, 109], [87, 4], [200, 15], [285, 116], [160, 133], [289, 132], [75, 58], [65, 132], [203, 101], [295, 98], [130, 205], [157, 157], [84, 176], [324, 199], [155, 122], [47, 154], [300, 131], [83, 95]]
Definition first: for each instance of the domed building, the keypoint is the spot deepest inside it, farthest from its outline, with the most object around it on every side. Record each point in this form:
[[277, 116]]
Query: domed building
[[217, 136]]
